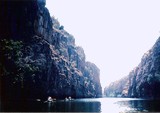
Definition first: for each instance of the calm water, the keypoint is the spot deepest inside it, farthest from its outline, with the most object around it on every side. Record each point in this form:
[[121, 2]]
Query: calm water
[[104, 105]]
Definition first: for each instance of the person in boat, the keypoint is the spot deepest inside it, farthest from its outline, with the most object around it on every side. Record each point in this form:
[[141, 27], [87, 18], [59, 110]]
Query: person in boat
[[69, 98], [50, 99], [66, 99]]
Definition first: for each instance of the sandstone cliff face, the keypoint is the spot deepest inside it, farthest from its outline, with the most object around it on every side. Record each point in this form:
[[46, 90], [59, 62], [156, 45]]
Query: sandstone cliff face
[[143, 81], [39, 58]]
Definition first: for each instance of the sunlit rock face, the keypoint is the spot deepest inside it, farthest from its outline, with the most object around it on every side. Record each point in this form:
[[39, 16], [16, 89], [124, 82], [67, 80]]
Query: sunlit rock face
[[143, 81], [39, 58]]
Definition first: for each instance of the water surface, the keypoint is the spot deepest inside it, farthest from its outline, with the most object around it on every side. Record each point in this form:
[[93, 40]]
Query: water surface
[[104, 105]]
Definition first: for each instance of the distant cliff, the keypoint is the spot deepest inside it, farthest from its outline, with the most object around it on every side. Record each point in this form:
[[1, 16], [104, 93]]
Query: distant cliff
[[143, 81], [38, 58]]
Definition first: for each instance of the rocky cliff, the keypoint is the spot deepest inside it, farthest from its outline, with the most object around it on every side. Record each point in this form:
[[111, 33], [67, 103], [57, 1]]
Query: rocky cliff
[[143, 81], [38, 58]]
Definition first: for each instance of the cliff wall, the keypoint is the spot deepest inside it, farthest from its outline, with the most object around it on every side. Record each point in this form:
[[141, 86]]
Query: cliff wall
[[38, 58], [143, 81]]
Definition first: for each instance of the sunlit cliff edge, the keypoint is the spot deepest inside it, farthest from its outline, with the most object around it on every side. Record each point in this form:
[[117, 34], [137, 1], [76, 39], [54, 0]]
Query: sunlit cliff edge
[[143, 81]]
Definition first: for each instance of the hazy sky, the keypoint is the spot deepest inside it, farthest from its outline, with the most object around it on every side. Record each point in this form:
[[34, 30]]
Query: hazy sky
[[113, 33]]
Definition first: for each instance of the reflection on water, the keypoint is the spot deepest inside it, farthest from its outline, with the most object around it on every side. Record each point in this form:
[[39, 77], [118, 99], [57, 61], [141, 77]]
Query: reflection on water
[[141, 105], [104, 105], [73, 106]]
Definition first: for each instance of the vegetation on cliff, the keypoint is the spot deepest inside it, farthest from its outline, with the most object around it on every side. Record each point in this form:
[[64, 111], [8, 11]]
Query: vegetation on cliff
[[38, 58]]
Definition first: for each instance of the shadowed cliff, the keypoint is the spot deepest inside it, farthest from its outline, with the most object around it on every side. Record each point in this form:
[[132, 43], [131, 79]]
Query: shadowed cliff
[[38, 58]]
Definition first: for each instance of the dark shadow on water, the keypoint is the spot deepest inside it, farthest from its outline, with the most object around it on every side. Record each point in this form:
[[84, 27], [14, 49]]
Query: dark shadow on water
[[59, 106], [74, 106]]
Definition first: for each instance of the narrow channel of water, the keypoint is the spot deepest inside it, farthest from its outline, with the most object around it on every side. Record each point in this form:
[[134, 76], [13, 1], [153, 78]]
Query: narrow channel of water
[[104, 105]]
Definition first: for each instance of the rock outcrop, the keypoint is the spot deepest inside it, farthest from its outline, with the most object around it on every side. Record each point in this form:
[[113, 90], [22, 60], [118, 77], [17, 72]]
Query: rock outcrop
[[38, 58], [143, 81]]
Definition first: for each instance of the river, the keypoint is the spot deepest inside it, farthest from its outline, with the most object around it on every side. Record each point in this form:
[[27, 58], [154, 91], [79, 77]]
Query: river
[[103, 105]]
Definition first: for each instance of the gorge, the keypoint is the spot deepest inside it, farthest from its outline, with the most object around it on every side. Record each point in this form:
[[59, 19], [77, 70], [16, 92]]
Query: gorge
[[38, 58]]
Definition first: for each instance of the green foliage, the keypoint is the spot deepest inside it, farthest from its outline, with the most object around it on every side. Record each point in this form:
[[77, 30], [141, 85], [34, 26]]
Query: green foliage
[[61, 28], [11, 49], [13, 63], [10, 52]]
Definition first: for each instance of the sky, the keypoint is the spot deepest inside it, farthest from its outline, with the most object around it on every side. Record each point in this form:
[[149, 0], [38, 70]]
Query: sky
[[113, 33]]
